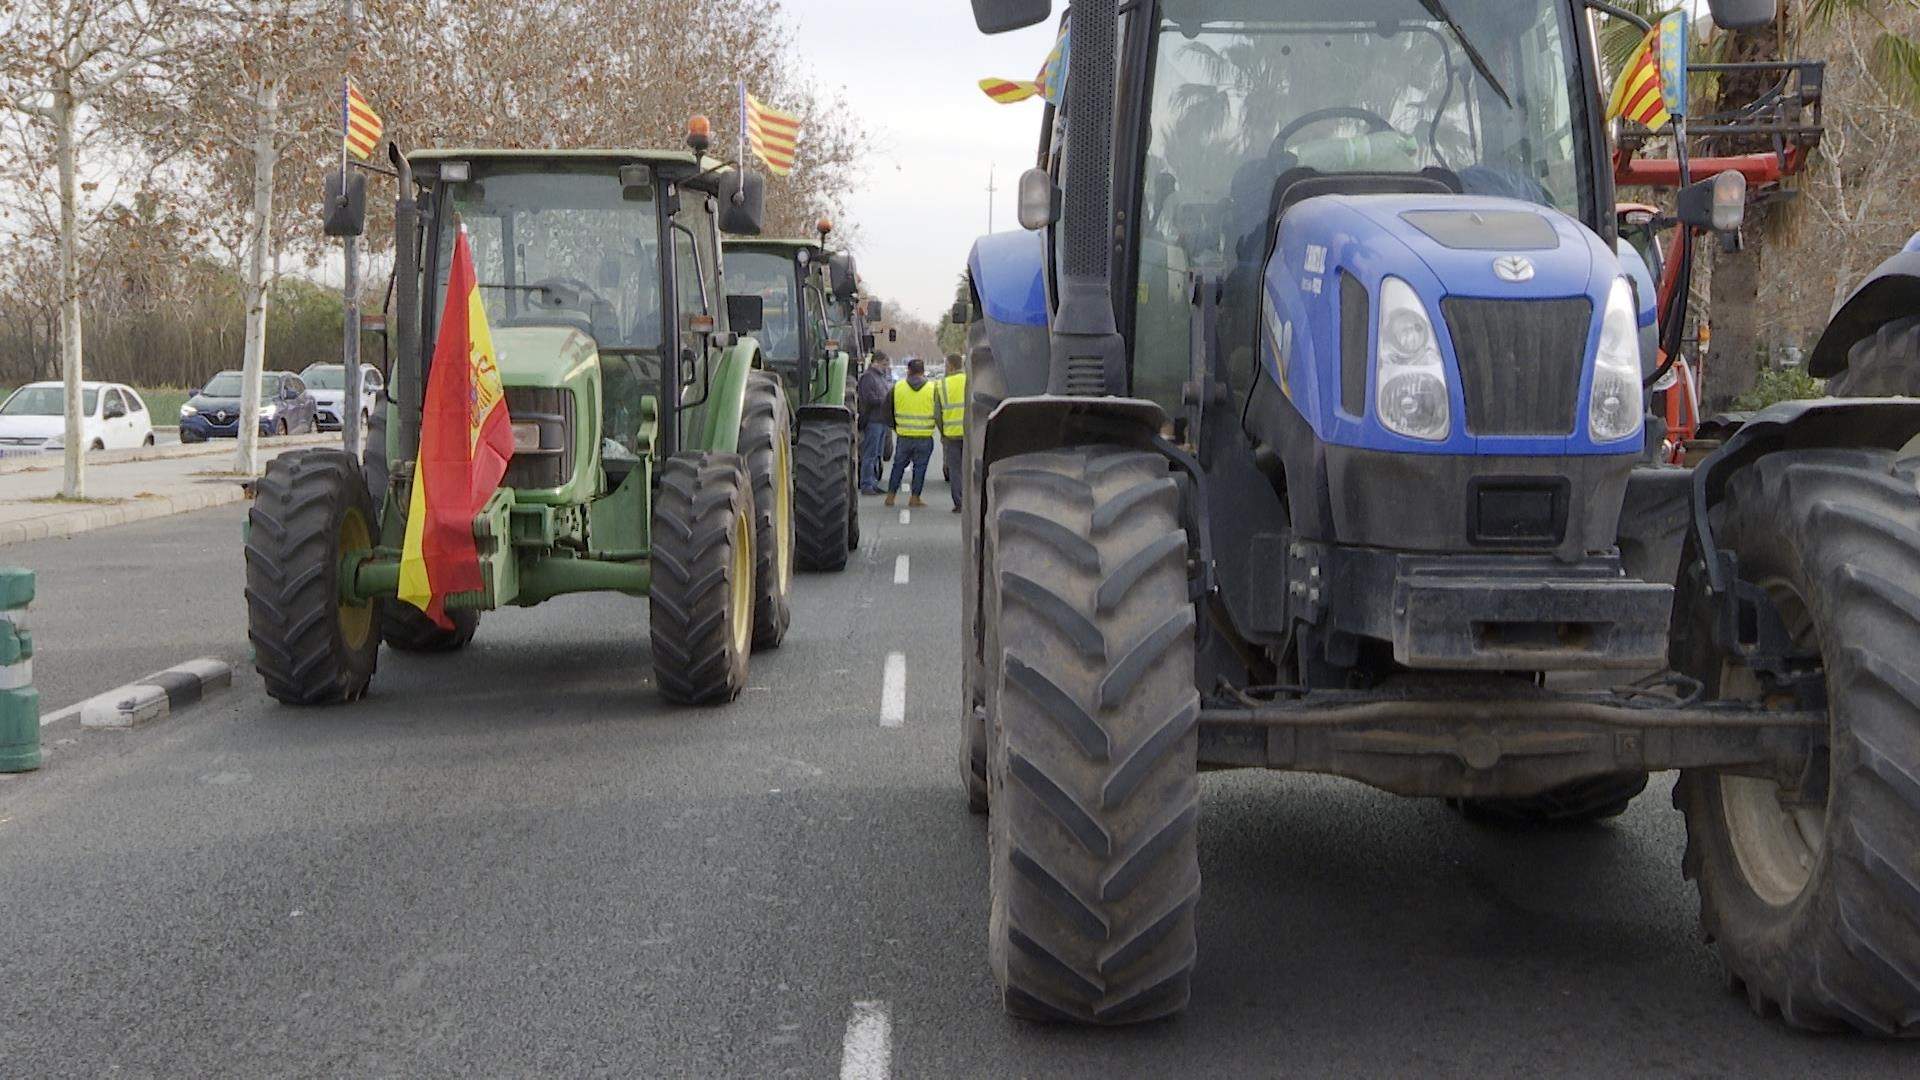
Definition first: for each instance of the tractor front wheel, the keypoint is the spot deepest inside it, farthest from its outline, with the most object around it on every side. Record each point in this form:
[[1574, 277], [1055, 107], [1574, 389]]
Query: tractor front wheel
[[700, 608], [766, 442], [820, 460], [1810, 884], [407, 628], [309, 511], [1094, 867]]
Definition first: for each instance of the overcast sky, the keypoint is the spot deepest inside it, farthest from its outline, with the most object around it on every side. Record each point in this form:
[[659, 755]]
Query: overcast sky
[[909, 70]]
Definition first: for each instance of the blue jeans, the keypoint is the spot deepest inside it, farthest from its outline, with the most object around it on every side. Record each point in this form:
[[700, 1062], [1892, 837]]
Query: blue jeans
[[917, 453], [872, 441]]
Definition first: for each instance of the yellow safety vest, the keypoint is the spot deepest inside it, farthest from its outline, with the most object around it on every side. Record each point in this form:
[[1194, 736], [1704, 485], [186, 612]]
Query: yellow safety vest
[[950, 395], [913, 410]]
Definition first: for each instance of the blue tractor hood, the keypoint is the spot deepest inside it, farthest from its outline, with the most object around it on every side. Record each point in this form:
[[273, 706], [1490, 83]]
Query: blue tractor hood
[[1458, 253]]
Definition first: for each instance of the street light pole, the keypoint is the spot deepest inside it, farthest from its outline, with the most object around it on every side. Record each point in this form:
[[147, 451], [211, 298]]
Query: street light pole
[[990, 193]]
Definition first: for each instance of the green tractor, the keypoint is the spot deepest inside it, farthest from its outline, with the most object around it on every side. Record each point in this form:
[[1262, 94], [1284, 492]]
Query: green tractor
[[809, 324], [651, 445]]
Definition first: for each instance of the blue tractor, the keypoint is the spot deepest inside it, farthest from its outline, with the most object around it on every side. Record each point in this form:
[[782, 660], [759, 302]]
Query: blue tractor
[[1307, 431]]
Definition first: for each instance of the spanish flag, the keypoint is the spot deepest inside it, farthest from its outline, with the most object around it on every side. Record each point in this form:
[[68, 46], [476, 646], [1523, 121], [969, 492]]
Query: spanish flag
[[1638, 94], [466, 438]]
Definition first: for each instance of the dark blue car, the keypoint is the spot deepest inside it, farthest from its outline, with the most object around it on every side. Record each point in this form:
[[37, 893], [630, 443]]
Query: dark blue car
[[286, 407]]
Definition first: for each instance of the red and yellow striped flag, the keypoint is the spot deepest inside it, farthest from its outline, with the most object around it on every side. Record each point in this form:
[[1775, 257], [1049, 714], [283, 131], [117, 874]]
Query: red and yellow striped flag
[[1008, 91], [1637, 96], [466, 439], [362, 124], [774, 135]]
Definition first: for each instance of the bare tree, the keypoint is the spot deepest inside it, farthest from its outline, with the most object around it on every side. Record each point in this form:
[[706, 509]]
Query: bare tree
[[58, 60]]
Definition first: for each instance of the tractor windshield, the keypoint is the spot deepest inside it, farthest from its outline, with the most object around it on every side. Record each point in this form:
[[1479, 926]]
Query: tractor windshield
[[772, 277], [1243, 92], [562, 244]]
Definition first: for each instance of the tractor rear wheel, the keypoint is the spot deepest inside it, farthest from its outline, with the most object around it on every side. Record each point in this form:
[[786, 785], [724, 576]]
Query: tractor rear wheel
[[700, 609], [1812, 890], [1577, 803], [820, 463], [766, 442], [310, 647], [1096, 799], [1884, 365]]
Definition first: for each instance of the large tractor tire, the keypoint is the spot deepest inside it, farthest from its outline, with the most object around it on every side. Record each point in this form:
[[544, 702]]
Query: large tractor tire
[[853, 476], [1579, 803], [1814, 898], [1096, 797], [309, 510], [701, 605], [986, 388], [823, 518], [1884, 365], [766, 443]]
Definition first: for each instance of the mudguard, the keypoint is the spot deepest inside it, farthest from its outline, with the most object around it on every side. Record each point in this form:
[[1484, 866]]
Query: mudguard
[[1878, 423], [1891, 292], [714, 423], [1010, 291], [1025, 425]]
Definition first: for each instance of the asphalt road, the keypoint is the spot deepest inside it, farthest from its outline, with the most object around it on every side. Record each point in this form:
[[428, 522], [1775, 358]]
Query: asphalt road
[[517, 860]]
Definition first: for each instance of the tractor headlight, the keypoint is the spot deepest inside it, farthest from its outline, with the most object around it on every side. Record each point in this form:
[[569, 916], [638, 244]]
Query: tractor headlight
[[1614, 410], [1411, 395]]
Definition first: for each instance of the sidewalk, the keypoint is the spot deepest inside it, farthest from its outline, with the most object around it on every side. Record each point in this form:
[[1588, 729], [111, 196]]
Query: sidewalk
[[126, 486]]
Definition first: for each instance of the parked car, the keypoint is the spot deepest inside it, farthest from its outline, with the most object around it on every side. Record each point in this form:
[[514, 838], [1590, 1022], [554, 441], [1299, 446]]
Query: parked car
[[328, 385], [112, 417], [213, 412]]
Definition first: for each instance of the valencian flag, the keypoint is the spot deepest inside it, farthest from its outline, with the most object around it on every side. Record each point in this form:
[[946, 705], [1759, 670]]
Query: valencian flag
[[359, 122], [773, 135], [466, 438], [1640, 94], [1051, 81]]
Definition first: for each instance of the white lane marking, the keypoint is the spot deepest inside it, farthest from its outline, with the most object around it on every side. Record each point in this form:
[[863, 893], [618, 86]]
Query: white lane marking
[[900, 570], [893, 691], [906, 517], [867, 1053]]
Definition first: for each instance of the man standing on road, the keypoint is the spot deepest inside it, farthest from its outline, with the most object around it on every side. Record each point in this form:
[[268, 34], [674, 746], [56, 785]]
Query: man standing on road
[[950, 402], [870, 399], [911, 407]]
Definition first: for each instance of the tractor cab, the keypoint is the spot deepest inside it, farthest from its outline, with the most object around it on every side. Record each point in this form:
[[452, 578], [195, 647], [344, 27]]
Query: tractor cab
[[807, 328]]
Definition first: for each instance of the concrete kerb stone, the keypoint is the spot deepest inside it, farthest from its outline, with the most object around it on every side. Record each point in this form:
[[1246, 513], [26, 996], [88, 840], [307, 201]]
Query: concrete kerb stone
[[165, 453], [156, 696]]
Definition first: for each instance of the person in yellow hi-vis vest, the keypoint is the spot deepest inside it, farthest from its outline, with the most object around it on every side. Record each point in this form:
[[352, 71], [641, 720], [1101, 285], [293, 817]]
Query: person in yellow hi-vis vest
[[950, 402], [911, 409]]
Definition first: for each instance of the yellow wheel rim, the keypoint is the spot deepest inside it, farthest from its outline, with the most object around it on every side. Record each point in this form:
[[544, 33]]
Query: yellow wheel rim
[[356, 620], [741, 586], [783, 511]]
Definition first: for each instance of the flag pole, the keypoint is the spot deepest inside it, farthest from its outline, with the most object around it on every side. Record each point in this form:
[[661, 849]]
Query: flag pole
[[743, 130], [350, 433]]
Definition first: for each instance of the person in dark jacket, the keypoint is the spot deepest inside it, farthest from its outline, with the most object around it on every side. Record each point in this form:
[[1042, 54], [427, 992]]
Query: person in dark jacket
[[870, 398]]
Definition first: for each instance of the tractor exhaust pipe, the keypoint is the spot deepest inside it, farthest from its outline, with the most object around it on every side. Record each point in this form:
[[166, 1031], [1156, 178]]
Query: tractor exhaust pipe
[[1088, 357], [403, 381]]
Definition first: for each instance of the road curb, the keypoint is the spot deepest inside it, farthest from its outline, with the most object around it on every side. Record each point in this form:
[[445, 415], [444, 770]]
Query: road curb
[[156, 696], [176, 451], [88, 518]]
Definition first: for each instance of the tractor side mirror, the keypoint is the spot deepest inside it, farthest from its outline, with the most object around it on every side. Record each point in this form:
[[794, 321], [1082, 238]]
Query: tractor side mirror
[[845, 280], [866, 344], [876, 311], [746, 313], [346, 202], [743, 203], [1039, 202], [1718, 203], [1735, 14], [1000, 16], [959, 315]]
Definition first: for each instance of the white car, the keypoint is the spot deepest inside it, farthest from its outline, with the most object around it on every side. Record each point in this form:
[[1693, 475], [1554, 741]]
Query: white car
[[328, 385], [113, 417]]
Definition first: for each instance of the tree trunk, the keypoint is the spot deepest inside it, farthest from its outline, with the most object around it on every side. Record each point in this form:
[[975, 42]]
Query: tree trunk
[[1734, 304], [74, 486], [265, 157]]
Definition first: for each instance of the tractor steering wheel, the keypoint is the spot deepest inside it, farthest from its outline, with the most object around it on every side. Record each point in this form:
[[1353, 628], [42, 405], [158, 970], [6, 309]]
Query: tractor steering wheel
[[1374, 121]]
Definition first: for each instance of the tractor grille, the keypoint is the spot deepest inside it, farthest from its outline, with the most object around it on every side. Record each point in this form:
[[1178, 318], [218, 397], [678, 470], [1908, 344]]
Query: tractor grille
[[551, 466], [1355, 322], [1520, 362]]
